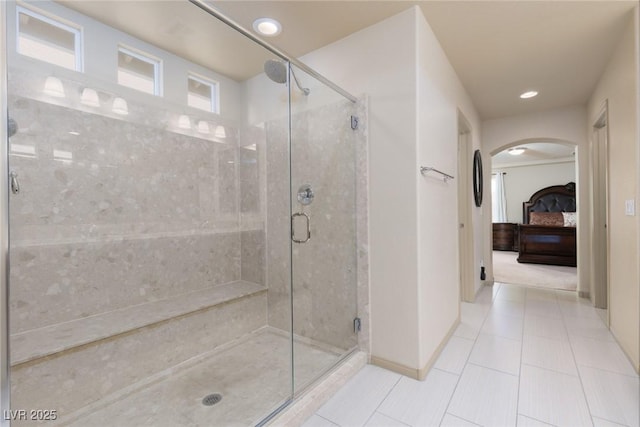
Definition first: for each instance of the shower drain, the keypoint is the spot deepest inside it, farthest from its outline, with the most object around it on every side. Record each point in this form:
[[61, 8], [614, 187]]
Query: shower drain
[[211, 399]]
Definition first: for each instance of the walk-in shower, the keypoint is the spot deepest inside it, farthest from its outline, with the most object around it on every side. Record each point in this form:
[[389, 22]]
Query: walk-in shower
[[162, 269]]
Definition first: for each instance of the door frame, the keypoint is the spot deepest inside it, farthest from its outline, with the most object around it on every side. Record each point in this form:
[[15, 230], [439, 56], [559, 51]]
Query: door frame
[[465, 219], [600, 262], [4, 225]]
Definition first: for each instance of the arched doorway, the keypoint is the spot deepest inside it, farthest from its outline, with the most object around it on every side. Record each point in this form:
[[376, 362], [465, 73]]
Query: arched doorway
[[518, 170]]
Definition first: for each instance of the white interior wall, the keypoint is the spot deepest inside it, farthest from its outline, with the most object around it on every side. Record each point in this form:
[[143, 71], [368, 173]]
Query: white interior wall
[[563, 124], [440, 95], [618, 86], [522, 181], [566, 125]]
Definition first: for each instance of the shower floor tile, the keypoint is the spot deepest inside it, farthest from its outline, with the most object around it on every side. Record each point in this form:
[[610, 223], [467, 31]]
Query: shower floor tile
[[252, 376]]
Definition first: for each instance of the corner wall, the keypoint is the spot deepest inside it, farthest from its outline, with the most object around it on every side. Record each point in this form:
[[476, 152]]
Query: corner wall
[[414, 96], [440, 94], [618, 86]]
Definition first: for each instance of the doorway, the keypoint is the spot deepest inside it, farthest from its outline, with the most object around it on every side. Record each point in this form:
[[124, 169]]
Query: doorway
[[540, 174], [465, 229], [600, 194]]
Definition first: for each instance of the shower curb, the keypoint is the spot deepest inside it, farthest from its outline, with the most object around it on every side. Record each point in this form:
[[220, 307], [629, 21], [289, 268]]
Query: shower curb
[[308, 403]]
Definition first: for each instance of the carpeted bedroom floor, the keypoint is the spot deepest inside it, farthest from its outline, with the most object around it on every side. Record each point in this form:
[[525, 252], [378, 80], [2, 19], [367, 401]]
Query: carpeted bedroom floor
[[507, 270]]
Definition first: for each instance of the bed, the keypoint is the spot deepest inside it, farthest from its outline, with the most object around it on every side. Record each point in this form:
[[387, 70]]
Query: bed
[[547, 234]]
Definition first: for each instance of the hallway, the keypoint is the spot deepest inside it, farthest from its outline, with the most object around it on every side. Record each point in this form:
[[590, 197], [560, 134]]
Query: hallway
[[521, 356]]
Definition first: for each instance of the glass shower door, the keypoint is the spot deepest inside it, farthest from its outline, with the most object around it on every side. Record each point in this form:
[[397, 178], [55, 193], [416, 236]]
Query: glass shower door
[[323, 216]]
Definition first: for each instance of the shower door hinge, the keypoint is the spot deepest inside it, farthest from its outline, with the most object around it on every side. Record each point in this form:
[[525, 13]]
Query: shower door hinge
[[354, 122], [357, 325]]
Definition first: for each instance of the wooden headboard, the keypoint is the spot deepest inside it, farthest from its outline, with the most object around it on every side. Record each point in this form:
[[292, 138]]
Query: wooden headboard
[[557, 198]]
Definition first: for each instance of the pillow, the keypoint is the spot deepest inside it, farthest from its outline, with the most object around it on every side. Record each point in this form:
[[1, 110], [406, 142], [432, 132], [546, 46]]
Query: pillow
[[569, 219], [546, 218]]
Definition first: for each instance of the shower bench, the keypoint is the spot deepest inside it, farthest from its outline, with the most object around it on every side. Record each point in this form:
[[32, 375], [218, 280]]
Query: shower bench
[[42, 342], [123, 347]]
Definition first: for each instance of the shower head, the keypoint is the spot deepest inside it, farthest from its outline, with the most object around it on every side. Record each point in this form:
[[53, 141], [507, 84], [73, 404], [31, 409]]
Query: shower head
[[276, 70]]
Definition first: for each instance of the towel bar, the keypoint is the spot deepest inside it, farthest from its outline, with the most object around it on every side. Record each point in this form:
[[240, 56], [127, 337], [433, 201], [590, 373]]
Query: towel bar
[[445, 176]]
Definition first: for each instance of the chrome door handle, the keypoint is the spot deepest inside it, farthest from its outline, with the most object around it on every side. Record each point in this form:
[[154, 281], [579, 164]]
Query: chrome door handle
[[293, 231], [14, 183]]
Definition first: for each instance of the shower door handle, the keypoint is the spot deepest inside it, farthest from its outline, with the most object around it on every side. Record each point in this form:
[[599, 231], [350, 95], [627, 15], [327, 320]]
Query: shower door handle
[[13, 182], [293, 230]]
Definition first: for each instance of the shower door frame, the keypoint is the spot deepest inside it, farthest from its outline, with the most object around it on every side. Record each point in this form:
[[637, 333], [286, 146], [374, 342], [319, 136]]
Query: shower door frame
[[5, 392], [298, 208]]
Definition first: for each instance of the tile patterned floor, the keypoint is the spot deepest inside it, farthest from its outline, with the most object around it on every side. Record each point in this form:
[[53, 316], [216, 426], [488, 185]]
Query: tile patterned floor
[[521, 357]]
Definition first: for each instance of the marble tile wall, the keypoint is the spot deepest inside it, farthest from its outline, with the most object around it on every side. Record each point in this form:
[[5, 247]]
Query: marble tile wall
[[141, 212], [278, 225], [55, 283], [252, 195], [92, 177], [252, 256], [116, 211], [325, 268]]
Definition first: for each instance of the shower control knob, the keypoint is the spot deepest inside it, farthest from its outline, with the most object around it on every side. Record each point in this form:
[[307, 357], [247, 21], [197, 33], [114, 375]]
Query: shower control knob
[[305, 195]]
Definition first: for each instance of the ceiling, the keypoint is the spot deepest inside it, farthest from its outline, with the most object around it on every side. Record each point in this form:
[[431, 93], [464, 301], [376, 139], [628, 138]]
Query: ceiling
[[499, 49]]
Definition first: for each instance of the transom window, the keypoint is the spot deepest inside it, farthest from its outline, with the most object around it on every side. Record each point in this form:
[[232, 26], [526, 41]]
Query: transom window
[[202, 93], [49, 40], [138, 71]]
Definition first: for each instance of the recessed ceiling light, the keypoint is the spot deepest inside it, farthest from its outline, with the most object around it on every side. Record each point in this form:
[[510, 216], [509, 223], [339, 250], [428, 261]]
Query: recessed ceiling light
[[267, 27], [516, 151], [529, 94]]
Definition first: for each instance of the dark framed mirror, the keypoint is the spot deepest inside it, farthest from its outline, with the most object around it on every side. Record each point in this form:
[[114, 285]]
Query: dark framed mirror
[[477, 178]]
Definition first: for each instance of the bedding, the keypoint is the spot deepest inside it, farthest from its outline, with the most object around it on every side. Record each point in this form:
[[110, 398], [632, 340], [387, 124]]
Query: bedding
[[569, 219], [546, 218]]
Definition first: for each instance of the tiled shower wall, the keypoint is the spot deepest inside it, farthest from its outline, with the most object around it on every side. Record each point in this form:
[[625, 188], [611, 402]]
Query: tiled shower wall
[[252, 192], [143, 211], [114, 212], [323, 153]]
